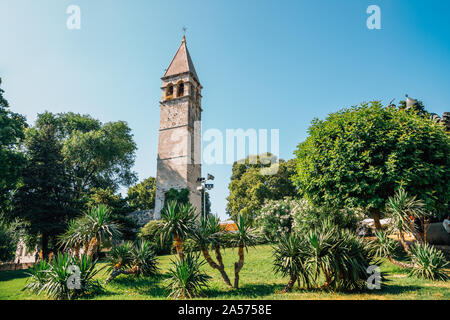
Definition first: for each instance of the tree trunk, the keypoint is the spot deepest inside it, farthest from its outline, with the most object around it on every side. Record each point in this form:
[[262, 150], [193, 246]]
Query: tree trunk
[[179, 246], [403, 242], [376, 218], [290, 284], [238, 266], [44, 247], [401, 264], [117, 272], [93, 245], [214, 265], [76, 250]]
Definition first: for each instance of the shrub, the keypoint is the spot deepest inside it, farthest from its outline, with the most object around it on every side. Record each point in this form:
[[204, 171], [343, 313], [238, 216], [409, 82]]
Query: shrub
[[137, 259], [325, 252], [277, 216], [311, 217], [429, 263], [54, 278], [185, 278], [152, 233], [291, 259]]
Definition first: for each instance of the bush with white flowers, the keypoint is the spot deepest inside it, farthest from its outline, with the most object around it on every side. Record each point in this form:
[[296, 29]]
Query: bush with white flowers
[[277, 216]]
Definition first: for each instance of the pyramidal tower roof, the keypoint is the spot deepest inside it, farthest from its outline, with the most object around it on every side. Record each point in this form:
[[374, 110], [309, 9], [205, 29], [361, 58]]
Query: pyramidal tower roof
[[182, 62]]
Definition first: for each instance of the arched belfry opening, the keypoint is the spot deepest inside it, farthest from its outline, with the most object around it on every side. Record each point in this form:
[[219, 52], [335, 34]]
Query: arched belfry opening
[[180, 89], [169, 91]]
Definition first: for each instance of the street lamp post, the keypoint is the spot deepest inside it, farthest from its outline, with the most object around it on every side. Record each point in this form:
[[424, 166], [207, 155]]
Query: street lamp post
[[204, 187]]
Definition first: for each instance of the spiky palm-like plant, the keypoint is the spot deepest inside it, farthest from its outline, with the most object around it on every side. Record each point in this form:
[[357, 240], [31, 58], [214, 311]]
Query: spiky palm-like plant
[[101, 227], [402, 209], [37, 276], [186, 280], [429, 263], [291, 259], [177, 222], [207, 233], [144, 260], [385, 247], [90, 230], [244, 237], [137, 259], [54, 278]]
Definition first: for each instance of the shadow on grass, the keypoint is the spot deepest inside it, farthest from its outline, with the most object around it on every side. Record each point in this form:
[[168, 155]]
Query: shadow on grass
[[149, 286], [246, 291], [12, 275]]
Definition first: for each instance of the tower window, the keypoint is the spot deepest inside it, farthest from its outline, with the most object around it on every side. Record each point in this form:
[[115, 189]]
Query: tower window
[[180, 92], [169, 92]]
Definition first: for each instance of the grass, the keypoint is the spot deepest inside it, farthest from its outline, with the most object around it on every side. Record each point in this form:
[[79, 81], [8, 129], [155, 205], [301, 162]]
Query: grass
[[258, 281]]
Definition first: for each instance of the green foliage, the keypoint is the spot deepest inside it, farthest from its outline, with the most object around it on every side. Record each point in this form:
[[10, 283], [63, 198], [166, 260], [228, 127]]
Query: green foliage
[[142, 195], [177, 220], [384, 246], [291, 259], [245, 236], [429, 263], [8, 241], [94, 228], [312, 217], [207, 232], [152, 233], [120, 256], [359, 156], [144, 259], [12, 134], [401, 208], [326, 252], [44, 200], [52, 278], [254, 181], [181, 197], [119, 208], [277, 217], [185, 278]]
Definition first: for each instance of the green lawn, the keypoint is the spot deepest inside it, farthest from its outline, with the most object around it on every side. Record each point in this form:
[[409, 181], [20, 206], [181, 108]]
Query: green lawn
[[257, 282]]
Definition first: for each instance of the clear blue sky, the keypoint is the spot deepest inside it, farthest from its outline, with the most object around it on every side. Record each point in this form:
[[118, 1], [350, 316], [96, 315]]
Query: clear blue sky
[[263, 64]]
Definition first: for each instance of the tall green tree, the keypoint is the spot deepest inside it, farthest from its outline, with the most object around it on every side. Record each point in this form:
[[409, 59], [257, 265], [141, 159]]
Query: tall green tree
[[142, 195], [44, 200], [95, 155], [253, 182], [12, 160], [359, 157]]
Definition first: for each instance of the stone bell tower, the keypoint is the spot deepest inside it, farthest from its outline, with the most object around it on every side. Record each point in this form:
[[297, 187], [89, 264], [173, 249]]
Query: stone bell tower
[[179, 145]]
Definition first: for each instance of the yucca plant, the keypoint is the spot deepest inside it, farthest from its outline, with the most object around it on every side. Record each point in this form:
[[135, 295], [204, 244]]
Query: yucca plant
[[144, 260], [402, 209], [37, 276], [90, 230], [185, 278], [429, 263], [385, 247], [137, 259], [291, 259], [54, 278], [208, 234], [244, 237], [177, 222]]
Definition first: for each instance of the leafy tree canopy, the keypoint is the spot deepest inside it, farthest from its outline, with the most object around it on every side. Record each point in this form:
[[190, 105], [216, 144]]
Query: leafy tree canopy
[[95, 154], [359, 156], [12, 134], [255, 180], [142, 195]]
